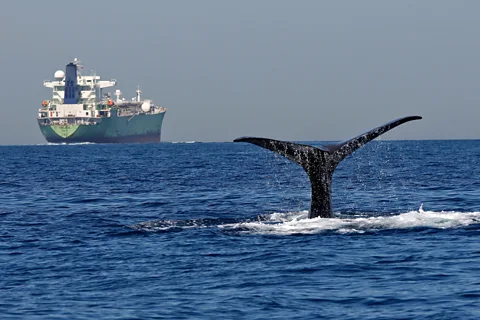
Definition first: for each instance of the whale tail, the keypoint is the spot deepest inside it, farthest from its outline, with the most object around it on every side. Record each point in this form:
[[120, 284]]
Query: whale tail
[[320, 162]]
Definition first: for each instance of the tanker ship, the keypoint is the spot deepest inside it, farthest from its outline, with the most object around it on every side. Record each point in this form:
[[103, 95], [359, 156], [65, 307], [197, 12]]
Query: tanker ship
[[79, 111]]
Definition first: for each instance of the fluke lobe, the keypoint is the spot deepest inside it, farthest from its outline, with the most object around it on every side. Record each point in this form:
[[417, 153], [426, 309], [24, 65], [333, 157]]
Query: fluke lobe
[[320, 162]]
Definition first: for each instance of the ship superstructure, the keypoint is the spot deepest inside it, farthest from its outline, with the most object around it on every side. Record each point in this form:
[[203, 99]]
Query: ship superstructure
[[79, 111]]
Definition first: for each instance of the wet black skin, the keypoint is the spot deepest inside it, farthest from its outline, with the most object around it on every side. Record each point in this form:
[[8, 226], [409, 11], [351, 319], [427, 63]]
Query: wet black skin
[[320, 162]]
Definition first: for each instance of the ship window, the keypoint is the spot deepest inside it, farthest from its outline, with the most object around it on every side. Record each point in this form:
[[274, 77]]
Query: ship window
[[59, 88]]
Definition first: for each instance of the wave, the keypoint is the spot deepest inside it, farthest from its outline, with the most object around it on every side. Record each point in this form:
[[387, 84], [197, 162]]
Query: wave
[[193, 141], [178, 225]]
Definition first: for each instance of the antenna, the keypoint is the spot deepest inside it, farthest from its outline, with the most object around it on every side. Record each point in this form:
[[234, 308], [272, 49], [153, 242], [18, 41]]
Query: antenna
[[78, 64]]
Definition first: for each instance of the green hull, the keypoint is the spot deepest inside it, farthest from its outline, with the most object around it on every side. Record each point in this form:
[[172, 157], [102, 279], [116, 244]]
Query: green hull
[[114, 129]]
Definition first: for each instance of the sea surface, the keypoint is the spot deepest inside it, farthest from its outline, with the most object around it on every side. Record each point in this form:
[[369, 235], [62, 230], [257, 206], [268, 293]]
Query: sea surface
[[220, 231]]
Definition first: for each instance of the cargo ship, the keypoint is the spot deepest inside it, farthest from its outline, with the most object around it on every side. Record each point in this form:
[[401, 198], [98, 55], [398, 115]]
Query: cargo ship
[[79, 111]]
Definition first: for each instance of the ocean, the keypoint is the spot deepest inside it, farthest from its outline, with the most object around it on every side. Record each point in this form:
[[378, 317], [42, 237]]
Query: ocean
[[220, 231]]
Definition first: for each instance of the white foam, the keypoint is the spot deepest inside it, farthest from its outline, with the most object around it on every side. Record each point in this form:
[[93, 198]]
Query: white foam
[[165, 225], [297, 222], [65, 143]]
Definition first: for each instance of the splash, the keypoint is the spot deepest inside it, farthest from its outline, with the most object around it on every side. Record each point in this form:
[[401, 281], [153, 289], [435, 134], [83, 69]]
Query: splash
[[297, 223], [294, 223]]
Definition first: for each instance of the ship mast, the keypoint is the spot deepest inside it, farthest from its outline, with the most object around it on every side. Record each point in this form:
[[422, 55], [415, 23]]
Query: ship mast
[[118, 93], [77, 63], [138, 93]]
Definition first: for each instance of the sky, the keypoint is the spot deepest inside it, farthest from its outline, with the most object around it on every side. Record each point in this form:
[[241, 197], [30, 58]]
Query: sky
[[306, 70]]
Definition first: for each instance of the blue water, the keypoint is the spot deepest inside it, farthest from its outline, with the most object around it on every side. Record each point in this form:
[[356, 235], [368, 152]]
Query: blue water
[[219, 231]]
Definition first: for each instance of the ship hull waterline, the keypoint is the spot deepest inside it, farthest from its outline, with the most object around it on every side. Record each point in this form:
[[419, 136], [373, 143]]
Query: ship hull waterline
[[136, 129]]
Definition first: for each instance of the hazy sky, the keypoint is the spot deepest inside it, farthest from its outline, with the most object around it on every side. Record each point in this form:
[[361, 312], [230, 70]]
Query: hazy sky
[[291, 70]]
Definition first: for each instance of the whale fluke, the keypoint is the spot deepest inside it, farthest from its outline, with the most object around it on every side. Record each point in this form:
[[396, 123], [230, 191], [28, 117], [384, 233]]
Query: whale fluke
[[320, 162]]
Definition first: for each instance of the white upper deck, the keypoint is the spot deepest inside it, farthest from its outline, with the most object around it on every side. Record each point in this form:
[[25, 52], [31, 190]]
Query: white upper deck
[[90, 86]]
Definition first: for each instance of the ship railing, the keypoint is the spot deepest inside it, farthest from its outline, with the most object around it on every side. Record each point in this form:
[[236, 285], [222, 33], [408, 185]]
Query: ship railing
[[70, 121]]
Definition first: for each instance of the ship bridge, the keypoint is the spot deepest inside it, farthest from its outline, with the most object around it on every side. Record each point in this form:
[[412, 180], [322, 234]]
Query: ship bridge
[[74, 94]]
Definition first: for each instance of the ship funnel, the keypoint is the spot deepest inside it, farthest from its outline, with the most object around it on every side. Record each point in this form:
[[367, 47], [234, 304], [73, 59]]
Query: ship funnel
[[71, 93]]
